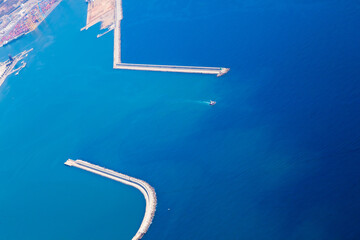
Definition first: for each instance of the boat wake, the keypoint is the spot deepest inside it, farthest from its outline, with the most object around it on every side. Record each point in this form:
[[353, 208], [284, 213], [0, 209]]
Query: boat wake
[[210, 102], [203, 102]]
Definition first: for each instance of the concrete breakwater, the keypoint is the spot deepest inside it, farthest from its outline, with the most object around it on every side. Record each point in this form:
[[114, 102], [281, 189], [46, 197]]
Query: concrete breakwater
[[117, 32], [172, 68], [142, 186]]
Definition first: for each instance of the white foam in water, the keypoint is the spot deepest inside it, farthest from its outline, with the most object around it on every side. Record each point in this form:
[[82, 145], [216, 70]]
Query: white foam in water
[[197, 101], [205, 102]]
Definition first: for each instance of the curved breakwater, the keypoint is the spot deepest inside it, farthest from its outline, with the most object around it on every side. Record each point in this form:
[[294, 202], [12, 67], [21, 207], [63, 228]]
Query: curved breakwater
[[142, 186]]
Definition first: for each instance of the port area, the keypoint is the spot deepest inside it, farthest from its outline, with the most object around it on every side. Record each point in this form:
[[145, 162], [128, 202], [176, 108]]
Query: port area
[[8, 67], [142, 186], [24, 18], [99, 11]]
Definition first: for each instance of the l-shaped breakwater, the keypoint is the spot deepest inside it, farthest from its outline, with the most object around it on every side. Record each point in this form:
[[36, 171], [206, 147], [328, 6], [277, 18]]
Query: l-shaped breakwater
[[142, 186], [219, 71], [110, 14]]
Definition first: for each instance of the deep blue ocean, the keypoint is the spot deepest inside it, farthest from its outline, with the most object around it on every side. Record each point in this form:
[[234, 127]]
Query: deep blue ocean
[[276, 158]]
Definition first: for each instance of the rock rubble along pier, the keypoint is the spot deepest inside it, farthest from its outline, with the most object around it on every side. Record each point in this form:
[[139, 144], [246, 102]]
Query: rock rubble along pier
[[142, 186]]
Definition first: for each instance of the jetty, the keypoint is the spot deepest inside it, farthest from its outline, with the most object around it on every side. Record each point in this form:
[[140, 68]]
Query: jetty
[[110, 14], [142, 186], [8, 67]]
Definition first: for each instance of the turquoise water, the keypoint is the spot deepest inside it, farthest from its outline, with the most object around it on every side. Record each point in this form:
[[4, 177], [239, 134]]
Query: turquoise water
[[276, 158]]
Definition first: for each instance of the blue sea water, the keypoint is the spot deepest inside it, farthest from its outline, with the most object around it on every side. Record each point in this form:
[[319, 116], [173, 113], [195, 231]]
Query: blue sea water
[[276, 158]]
